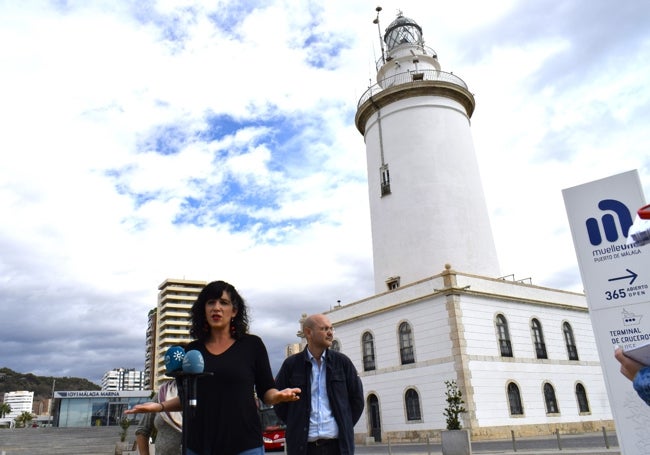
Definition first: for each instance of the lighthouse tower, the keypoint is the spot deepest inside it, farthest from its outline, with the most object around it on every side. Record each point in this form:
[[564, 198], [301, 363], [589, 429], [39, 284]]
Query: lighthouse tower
[[427, 206]]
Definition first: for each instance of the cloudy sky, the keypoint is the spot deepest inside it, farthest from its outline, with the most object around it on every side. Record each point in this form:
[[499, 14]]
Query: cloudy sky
[[143, 140]]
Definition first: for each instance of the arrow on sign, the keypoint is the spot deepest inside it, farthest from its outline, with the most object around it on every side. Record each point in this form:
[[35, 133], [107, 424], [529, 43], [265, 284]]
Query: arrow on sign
[[632, 275]]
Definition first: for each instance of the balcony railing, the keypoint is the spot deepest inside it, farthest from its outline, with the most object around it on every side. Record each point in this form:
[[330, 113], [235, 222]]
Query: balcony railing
[[410, 77]]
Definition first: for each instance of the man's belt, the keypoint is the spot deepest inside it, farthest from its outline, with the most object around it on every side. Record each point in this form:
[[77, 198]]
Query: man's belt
[[322, 442]]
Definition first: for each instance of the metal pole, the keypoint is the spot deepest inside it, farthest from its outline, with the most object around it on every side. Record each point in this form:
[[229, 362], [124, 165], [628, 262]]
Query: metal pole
[[428, 445], [559, 444], [381, 41], [514, 444], [605, 436], [389, 447], [51, 413]]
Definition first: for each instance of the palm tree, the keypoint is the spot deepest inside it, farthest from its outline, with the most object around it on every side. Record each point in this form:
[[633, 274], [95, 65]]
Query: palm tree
[[5, 408], [24, 418]]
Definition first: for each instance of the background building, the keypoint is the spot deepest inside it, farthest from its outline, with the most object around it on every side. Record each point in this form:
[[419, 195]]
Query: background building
[[524, 356], [150, 345], [88, 408], [20, 401], [123, 379], [169, 324]]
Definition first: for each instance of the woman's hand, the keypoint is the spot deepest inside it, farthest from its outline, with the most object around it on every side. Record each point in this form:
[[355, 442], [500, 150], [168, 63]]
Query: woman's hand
[[275, 396], [151, 406]]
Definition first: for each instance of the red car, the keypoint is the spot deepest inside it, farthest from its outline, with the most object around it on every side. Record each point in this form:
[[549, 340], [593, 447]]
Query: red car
[[272, 430]]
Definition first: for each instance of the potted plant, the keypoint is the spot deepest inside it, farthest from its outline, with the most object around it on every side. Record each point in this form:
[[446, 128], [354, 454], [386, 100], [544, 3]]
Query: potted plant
[[455, 440], [123, 445]]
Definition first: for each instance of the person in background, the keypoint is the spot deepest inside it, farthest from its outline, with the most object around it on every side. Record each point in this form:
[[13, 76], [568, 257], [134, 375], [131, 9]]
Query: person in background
[[168, 425], [636, 372], [331, 403], [225, 420]]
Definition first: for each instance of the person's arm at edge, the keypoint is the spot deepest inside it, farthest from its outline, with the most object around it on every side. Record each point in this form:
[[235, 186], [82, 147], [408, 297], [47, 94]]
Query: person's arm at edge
[[143, 433], [636, 372], [641, 384], [142, 444]]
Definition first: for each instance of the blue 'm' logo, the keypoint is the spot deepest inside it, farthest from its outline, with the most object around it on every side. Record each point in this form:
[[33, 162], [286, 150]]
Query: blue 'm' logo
[[609, 222]]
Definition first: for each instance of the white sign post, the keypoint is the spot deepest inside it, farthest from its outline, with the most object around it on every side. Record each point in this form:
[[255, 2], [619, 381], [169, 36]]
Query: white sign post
[[616, 278]]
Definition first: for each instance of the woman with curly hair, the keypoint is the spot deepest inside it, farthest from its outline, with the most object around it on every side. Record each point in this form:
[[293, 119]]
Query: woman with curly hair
[[225, 419]]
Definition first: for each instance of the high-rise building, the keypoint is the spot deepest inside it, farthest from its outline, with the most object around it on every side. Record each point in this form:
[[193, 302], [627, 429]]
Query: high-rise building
[[126, 379], [524, 356], [150, 344], [20, 401], [172, 323]]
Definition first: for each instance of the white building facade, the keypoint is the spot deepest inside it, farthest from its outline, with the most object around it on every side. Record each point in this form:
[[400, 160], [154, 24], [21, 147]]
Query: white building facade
[[524, 357], [20, 401], [127, 379]]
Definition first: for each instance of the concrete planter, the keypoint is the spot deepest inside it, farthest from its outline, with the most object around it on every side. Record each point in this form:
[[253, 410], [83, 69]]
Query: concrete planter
[[455, 442]]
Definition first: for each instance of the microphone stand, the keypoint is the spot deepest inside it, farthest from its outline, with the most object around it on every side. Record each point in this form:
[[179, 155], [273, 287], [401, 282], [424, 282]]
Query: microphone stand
[[186, 382]]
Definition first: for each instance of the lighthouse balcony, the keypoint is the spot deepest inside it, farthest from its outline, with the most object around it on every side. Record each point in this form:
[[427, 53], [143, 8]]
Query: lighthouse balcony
[[411, 77]]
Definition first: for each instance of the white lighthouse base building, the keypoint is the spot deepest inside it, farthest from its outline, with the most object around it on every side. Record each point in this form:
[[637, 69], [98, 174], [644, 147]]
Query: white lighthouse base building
[[523, 356]]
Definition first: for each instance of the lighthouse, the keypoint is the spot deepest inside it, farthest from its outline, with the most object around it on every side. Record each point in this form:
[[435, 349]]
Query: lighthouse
[[427, 205]]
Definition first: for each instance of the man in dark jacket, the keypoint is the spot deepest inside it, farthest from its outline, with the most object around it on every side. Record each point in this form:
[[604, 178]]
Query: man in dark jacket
[[331, 401]]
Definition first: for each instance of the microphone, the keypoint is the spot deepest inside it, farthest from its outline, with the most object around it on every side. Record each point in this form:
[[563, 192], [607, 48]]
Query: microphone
[[193, 365], [174, 359]]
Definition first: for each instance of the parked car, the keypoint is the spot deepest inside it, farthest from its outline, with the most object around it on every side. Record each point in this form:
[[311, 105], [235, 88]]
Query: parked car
[[272, 429]]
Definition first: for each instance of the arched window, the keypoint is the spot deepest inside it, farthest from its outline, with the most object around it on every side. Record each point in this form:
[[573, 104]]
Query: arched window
[[368, 352], [581, 396], [570, 341], [406, 343], [514, 399], [336, 346], [538, 339], [412, 403], [374, 419], [504, 336], [549, 399]]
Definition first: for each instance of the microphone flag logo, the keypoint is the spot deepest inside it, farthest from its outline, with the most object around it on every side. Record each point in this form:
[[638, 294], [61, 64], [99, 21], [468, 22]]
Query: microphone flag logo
[[174, 358]]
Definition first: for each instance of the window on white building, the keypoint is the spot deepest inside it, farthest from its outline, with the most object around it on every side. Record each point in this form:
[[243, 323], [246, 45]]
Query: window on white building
[[385, 180], [550, 400], [514, 399], [412, 403], [581, 396], [392, 283], [505, 346], [406, 343], [570, 341], [336, 346], [368, 349], [538, 339]]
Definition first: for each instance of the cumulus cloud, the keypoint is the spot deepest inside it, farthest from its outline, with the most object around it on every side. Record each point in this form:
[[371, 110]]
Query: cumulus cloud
[[216, 141]]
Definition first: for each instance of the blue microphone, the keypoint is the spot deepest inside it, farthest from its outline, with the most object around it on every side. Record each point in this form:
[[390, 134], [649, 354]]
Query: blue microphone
[[193, 365], [174, 359], [193, 362]]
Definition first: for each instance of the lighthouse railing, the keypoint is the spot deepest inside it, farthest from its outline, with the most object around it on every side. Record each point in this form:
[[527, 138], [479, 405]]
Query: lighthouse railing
[[410, 77]]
